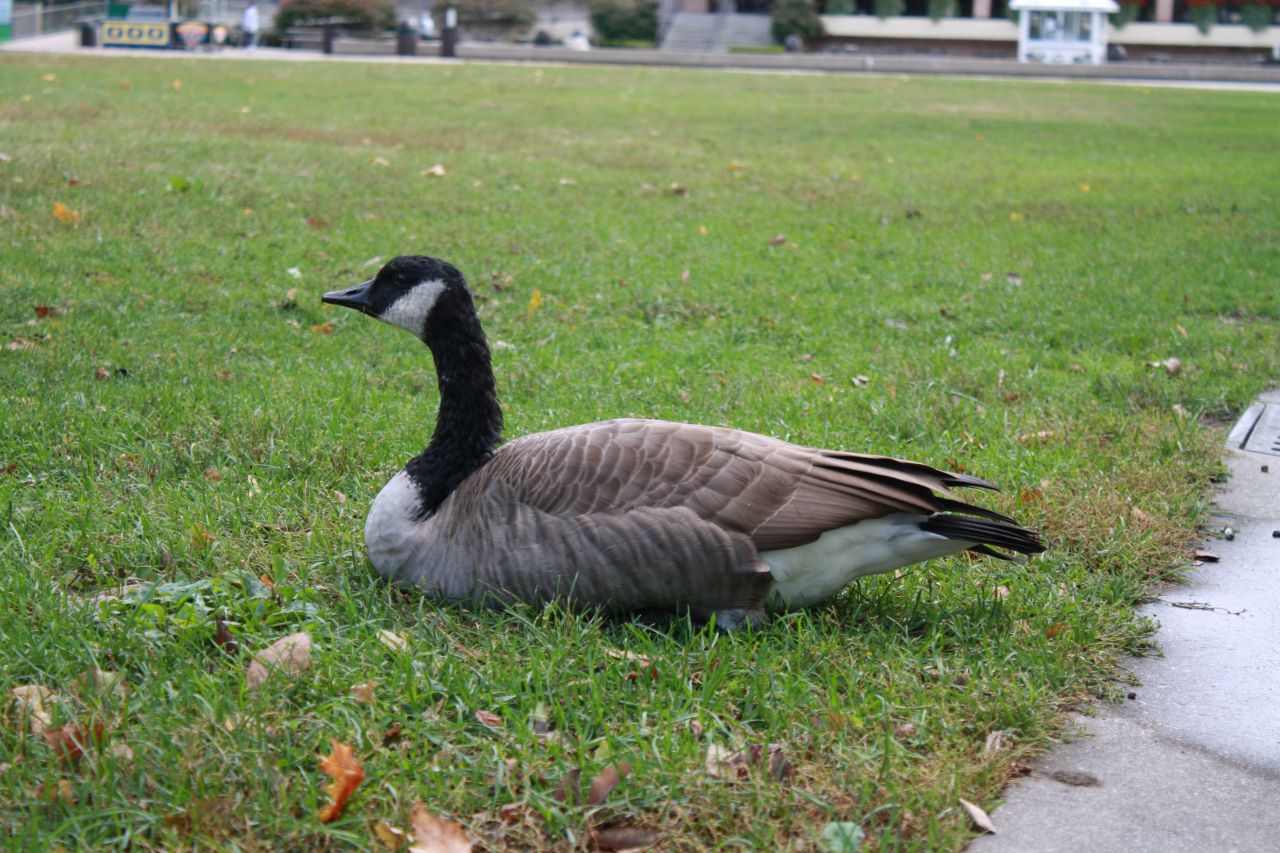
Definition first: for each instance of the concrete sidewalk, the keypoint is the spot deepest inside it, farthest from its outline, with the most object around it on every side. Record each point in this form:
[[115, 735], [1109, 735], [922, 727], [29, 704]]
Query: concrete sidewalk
[[1192, 762], [1255, 77]]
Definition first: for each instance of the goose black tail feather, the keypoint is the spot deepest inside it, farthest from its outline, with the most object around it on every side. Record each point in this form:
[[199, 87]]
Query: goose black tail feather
[[985, 532]]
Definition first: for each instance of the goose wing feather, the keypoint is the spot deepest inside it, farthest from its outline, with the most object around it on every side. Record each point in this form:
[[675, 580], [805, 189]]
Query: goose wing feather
[[780, 495], [640, 558]]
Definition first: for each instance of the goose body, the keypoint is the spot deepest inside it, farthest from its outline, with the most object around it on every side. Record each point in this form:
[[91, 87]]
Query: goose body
[[629, 514]]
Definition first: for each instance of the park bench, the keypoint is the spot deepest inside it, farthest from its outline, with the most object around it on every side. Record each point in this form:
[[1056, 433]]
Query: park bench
[[303, 38]]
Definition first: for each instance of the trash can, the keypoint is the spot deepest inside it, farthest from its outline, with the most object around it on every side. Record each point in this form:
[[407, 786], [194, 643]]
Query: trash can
[[88, 35], [406, 41]]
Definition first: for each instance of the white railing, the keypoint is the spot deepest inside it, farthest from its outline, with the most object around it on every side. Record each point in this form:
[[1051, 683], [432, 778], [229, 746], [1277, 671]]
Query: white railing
[[36, 19], [667, 10]]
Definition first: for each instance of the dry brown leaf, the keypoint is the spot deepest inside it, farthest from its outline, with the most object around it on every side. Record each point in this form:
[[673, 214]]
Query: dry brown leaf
[[1207, 556], [289, 655], [994, 742], [390, 836], [734, 766], [433, 834], [905, 730], [66, 215], [379, 161], [1172, 365], [535, 301], [35, 701], [61, 791], [1055, 629], [363, 692], [317, 222], [392, 640], [347, 773], [322, 328], [70, 741], [606, 780], [488, 718], [779, 240], [568, 787], [622, 837], [622, 654], [177, 85], [223, 638], [719, 762], [679, 189], [436, 171], [514, 812], [102, 683], [43, 311], [978, 816]]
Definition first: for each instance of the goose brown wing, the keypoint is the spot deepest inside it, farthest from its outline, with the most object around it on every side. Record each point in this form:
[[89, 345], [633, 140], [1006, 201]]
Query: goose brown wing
[[779, 495]]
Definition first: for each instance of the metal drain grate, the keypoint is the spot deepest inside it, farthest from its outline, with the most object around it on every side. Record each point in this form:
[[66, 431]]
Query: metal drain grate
[[1259, 430]]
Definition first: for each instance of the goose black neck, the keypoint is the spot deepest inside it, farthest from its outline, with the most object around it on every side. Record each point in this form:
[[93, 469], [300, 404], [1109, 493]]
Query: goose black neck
[[469, 422]]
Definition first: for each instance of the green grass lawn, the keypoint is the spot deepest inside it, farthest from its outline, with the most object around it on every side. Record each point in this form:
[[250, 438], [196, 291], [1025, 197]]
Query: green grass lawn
[[973, 274]]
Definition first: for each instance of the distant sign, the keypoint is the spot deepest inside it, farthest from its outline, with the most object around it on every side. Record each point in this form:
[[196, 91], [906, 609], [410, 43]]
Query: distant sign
[[135, 34], [192, 34]]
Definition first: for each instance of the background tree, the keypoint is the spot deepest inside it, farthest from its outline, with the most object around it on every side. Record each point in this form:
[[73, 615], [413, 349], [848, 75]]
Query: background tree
[[625, 20], [799, 17]]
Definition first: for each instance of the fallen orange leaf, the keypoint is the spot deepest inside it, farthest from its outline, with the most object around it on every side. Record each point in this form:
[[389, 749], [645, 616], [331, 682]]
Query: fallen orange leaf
[[347, 773], [65, 215], [69, 742]]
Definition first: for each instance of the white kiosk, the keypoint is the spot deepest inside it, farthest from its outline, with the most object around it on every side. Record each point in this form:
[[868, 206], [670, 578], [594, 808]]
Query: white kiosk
[[1063, 32]]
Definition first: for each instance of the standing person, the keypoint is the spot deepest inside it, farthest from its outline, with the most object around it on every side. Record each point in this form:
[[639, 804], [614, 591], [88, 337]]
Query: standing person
[[249, 25]]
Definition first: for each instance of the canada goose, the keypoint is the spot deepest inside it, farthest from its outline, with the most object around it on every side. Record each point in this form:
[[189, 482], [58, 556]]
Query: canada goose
[[636, 515]]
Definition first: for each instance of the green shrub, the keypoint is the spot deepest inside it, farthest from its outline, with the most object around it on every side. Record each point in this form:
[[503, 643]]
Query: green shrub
[[625, 20], [1257, 16], [1128, 13], [1203, 13], [939, 9], [799, 17], [889, 8], [841, 7], [367, 15]]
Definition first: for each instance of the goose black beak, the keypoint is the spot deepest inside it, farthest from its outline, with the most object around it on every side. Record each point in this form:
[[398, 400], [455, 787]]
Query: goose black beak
[[354, 297]]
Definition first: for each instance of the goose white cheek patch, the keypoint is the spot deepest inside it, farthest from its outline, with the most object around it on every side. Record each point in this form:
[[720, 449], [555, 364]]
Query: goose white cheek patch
[[410, 310]]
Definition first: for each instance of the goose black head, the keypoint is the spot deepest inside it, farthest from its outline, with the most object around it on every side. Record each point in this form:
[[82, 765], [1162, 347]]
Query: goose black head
[[407, 291]]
